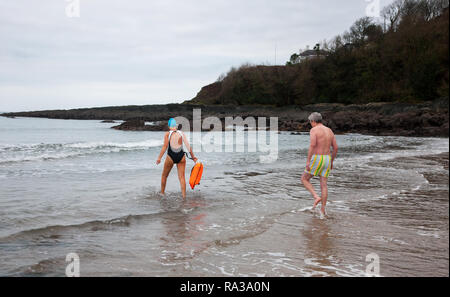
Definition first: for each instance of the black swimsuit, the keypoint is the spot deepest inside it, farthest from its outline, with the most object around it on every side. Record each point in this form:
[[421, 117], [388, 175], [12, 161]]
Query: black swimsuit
[[176, 155]]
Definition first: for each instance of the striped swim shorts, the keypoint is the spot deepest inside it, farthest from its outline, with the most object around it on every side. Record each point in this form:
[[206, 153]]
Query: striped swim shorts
[[320, 165]]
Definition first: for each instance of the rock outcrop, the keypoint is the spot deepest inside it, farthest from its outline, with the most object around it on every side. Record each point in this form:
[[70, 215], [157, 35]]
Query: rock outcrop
[[424, 119], [139, 125]]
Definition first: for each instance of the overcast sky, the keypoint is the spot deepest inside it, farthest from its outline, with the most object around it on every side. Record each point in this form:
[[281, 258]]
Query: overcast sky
[[139, 52]]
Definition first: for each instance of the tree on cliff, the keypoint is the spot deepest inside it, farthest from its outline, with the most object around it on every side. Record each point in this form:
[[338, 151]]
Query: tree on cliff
[[293, 59], [406, 61]]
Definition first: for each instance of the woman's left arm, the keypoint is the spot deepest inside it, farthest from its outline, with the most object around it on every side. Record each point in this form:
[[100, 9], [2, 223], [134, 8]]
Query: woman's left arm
[[164, 148]]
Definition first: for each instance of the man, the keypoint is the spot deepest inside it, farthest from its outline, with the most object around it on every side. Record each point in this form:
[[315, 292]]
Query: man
[[320, 161]]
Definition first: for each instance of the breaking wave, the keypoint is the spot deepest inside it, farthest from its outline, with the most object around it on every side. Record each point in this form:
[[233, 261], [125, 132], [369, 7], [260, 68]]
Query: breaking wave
[[42, 152]]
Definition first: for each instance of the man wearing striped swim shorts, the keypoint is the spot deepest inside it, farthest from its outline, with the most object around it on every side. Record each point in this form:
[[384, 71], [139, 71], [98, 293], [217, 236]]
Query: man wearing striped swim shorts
[[320, 159]]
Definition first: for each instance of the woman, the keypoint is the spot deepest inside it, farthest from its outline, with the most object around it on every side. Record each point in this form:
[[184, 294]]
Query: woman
[[173, 143]]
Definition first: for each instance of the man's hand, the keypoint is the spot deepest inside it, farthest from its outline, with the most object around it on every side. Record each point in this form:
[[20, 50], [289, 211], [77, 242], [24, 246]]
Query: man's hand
[[195, 159], [308, 168], [158, 161]]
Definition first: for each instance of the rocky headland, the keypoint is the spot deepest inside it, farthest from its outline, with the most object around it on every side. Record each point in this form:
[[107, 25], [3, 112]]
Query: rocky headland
[[402, 119]]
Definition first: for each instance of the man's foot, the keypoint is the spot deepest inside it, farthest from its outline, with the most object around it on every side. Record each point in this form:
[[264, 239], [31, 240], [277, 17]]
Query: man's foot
[[321, 215], [323, 212], [317, 201]]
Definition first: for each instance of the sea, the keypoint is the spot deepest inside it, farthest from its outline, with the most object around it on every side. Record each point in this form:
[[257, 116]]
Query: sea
[[78, 187]]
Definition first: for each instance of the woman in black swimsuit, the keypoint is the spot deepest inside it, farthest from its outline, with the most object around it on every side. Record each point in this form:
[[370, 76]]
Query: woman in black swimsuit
[[173, 143]]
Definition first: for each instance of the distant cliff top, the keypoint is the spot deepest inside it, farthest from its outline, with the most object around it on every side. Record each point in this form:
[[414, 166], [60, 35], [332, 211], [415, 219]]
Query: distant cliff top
[[406, 61]]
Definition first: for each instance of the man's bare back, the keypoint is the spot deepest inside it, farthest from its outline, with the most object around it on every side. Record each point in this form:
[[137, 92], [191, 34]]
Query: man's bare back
[[323, 137]]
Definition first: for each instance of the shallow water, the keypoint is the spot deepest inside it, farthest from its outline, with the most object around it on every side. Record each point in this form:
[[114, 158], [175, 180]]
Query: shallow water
[[79, 186]]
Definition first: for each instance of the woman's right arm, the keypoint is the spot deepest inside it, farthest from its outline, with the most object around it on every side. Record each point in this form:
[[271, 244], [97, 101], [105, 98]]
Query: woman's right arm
[[186, 142], [164, 148]]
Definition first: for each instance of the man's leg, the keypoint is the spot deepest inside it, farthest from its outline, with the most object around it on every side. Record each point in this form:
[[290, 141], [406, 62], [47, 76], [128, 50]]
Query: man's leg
[[168, 164], [181, 176], [305, 180], [324, 192]]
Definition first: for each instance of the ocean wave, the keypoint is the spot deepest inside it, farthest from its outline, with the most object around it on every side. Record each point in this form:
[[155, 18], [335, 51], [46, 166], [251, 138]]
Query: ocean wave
[[52, 151], [53, 232], [131, 145]]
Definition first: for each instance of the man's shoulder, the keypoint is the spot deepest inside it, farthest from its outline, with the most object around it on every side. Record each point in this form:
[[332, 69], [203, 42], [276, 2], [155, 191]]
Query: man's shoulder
[[326, 128], [313, 131], [319, 129]]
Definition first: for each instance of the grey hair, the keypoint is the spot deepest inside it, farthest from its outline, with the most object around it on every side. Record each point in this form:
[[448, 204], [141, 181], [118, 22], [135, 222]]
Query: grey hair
[[315, 117]]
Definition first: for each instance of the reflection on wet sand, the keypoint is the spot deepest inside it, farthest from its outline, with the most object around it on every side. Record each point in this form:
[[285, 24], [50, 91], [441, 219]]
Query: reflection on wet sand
[[320, 246], [182, 240]]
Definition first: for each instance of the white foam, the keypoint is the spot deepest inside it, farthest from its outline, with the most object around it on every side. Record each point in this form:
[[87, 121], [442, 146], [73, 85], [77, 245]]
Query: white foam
[[222, 270], [429, 234], [339, 271], [304, 209], [41, 152], [101, 144]]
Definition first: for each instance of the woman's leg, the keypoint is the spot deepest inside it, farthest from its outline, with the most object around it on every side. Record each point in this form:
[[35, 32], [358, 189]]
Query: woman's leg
[[181, 176], [168, 164]]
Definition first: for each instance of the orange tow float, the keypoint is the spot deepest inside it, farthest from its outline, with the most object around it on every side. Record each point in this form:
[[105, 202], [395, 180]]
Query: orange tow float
[[196, 175]]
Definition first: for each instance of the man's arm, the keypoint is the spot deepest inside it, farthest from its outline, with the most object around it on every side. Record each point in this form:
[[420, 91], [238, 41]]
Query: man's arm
[[335, 150], [312, 145], [164, 148]]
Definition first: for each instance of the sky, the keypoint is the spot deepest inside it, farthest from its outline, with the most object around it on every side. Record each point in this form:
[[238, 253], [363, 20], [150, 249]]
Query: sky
[[137, 52]]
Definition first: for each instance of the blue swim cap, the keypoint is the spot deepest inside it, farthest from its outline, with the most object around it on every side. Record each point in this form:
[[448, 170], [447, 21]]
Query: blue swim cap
[[172, 123]]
